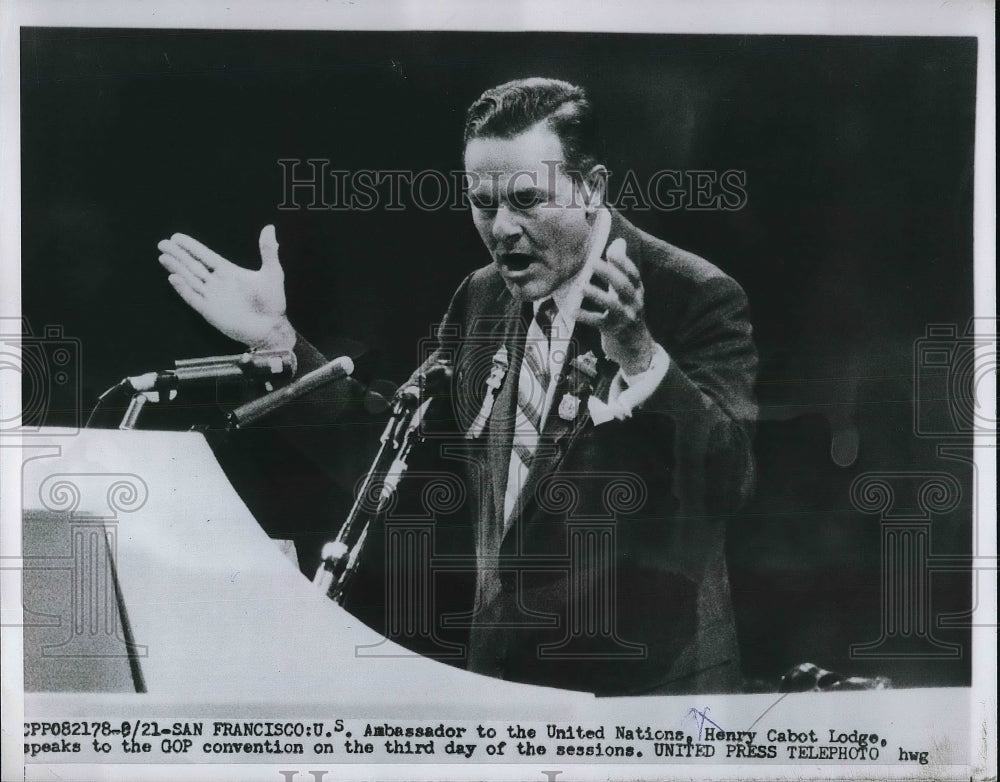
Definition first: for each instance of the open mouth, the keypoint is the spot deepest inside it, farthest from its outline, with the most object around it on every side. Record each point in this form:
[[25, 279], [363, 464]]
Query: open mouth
[[515, 262]]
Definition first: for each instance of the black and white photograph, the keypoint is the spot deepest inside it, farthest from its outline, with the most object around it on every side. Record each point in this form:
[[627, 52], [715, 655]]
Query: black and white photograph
[[464, 398]]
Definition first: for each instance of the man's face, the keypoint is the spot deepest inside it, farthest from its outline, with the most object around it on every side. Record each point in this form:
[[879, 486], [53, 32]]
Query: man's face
[[528, 211]]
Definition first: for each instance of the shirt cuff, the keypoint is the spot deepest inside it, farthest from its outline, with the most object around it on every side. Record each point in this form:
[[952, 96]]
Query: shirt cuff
[[629, 392]]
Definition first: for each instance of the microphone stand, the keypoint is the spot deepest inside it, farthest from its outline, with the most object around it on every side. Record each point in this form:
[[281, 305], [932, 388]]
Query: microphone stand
[[138, 402], [340, 557], [135, 406]]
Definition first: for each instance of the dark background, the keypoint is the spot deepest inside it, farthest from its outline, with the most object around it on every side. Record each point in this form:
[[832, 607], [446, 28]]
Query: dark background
[[857, 234]]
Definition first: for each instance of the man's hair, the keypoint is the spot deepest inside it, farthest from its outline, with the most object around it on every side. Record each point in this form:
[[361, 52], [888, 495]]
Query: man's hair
[[512, 108]]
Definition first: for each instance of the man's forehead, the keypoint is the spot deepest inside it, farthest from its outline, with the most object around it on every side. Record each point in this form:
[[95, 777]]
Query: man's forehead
[[522, 179], [536, 149]]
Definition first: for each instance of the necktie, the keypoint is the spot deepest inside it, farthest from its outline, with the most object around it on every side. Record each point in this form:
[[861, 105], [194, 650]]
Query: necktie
[[532, 389]]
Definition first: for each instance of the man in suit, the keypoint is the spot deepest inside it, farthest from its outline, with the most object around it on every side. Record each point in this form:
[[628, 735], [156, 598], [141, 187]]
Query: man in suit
[[602, 397]]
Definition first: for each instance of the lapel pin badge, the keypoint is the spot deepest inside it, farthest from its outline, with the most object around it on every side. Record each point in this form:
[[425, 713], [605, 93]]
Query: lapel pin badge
[[586, 364], [569, 406], [583, 371], [498, 372]]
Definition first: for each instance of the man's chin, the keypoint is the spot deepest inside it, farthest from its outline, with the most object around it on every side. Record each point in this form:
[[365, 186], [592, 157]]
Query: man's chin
[[527, 290]]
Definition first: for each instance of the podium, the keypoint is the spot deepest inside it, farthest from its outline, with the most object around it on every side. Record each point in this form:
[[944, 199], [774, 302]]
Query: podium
[[145, 572]]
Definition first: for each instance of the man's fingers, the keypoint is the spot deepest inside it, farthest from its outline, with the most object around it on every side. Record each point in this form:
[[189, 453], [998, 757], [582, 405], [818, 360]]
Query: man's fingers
[[617, 256], [193, 273], [186, 292], [268, 247], [209, 258], [194, 266], [616, 278], [167, 261], [617, 247], [616, 312], [592, 319], [600, 299]]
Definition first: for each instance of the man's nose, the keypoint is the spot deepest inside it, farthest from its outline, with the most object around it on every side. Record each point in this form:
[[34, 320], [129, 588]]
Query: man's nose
[[505, 224]]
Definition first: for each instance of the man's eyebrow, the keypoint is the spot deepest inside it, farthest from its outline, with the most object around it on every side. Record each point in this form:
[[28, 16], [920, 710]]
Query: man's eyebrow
[[480, 183], [528, 187]]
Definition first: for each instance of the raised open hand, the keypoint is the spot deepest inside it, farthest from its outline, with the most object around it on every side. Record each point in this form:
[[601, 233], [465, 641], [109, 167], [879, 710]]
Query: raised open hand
[[245, 305]]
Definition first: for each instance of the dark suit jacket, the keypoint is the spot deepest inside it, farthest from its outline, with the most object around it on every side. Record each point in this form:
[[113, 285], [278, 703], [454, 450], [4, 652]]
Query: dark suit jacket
[[612, 577]]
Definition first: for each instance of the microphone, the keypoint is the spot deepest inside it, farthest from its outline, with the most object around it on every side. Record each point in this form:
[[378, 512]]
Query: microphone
[[426, 386], [436, 377], [430, 382], [335, 370], [245, 366]]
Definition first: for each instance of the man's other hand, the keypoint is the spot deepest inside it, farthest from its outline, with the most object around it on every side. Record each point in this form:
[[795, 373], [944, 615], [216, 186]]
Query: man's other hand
[[618, 310], [245, 305]]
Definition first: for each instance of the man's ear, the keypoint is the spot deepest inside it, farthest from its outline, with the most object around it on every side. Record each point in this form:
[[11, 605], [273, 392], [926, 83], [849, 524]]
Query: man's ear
[[595, 186]]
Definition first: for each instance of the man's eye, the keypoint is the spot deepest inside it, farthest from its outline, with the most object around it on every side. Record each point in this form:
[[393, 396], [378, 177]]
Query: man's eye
[[484, 203]]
